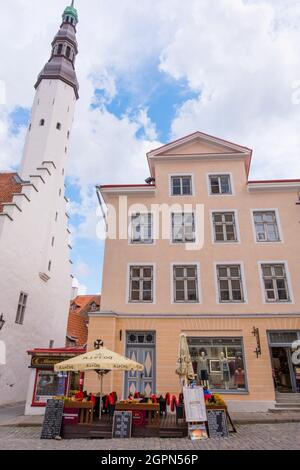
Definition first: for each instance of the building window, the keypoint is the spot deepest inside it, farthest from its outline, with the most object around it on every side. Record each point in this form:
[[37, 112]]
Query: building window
[[21, 308], [58, 126], [52, 241], [266, 227], [220, 184], [68, 52], [42, 122], [230, 283], [49, 384], [68, 134], [49, 266], [224, 227], [183, 228], [141, 228], [185, 284], [181, 185], [56, 216], [141, 284], [275, 283], [59, 49], [220, 362]]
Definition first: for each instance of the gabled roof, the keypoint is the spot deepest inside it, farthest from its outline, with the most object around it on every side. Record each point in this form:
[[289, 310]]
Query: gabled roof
[[78, 317], [200, 146], [10, 183]]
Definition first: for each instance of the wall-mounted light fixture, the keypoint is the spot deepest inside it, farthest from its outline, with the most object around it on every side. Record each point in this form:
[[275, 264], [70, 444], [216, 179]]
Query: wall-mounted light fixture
[[2, 321], [255, 333]]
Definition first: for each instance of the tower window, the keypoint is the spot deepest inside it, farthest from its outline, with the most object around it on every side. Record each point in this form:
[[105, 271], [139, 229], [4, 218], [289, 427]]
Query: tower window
[[58, 126], [59, 49], [42, 122], [52, 241], [29, 127], [56, 217], [49, 266], [68, 135], [68, 52]]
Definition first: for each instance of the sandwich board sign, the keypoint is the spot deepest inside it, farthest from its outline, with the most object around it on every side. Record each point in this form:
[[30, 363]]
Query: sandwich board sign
[[194, 404]]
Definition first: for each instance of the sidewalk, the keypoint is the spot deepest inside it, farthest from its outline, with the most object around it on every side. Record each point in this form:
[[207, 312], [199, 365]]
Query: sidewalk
[[13, 415]]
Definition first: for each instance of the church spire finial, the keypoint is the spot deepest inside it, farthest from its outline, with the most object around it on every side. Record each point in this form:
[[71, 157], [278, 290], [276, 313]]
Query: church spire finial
[[72, 4]]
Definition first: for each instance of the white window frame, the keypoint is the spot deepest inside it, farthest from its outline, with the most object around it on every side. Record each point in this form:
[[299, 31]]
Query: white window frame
[[143, 243], [183, 242], [237, 227], [279, 228], [220, 173], [181, 175], [22, 304], [288, 281], [128, 286], [196, 264], [243, 282]]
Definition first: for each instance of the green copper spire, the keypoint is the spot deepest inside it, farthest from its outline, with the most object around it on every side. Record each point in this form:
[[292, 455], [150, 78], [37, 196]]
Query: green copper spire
[[70, 14]]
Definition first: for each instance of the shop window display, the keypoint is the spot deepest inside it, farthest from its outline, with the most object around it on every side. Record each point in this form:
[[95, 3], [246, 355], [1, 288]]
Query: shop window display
[[219, 363], [49, 384]]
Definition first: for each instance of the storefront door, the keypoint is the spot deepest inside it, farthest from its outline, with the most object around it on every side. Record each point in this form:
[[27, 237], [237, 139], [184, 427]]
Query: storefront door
[[284, 371], [141, 348]]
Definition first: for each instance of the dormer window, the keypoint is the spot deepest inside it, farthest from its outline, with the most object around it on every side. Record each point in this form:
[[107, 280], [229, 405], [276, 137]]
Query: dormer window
[[42, 122]]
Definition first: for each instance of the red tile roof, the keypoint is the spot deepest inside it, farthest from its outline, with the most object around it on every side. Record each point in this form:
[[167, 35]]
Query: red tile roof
[[78, 317], [9, 184]]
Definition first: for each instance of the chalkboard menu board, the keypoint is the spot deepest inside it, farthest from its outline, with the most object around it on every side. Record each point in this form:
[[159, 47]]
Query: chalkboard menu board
[[217, 423], [122, 424], [53, 419]]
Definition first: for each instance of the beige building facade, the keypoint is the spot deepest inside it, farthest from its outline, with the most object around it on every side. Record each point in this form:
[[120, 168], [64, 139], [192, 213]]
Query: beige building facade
[[202, 250]]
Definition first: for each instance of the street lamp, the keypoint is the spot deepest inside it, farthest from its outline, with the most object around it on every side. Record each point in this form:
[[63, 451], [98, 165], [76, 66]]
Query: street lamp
[[2, 321]]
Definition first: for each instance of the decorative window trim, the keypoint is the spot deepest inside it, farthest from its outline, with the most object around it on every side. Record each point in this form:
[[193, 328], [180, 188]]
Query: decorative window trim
[[172, 284], [220, 173], [279, 226], [291, 300], [127, 294], [243, 280], [237, 227], [183, 175]]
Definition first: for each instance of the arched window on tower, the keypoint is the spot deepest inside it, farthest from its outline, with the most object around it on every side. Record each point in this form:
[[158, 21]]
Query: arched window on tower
[[68, 52], [59, 49], [42, 122]]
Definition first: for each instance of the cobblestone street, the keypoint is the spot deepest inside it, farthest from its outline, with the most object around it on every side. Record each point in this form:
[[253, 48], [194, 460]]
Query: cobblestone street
[[249, 437]]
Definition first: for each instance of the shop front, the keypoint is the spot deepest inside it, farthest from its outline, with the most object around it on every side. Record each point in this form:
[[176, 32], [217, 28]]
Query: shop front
[[286, 373], [45, 383], [244, 358]]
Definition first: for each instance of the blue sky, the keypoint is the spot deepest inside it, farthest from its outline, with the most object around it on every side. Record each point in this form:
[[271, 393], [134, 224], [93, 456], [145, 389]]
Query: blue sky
[[155, 91], [151, 72]]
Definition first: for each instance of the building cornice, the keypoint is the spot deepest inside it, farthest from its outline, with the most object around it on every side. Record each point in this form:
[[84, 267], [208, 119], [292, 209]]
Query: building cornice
[[191, 316], [274, 185]]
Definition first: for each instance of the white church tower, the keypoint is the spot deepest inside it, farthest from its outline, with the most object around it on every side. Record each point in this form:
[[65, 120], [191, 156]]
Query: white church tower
[[35, 268]]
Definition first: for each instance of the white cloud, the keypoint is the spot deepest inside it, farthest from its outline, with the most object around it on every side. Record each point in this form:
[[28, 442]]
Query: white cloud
[[242, 57]]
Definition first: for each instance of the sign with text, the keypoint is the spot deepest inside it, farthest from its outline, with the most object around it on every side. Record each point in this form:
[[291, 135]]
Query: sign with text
[[217, 423], [53, 419], [122, 425], [194, 404]]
